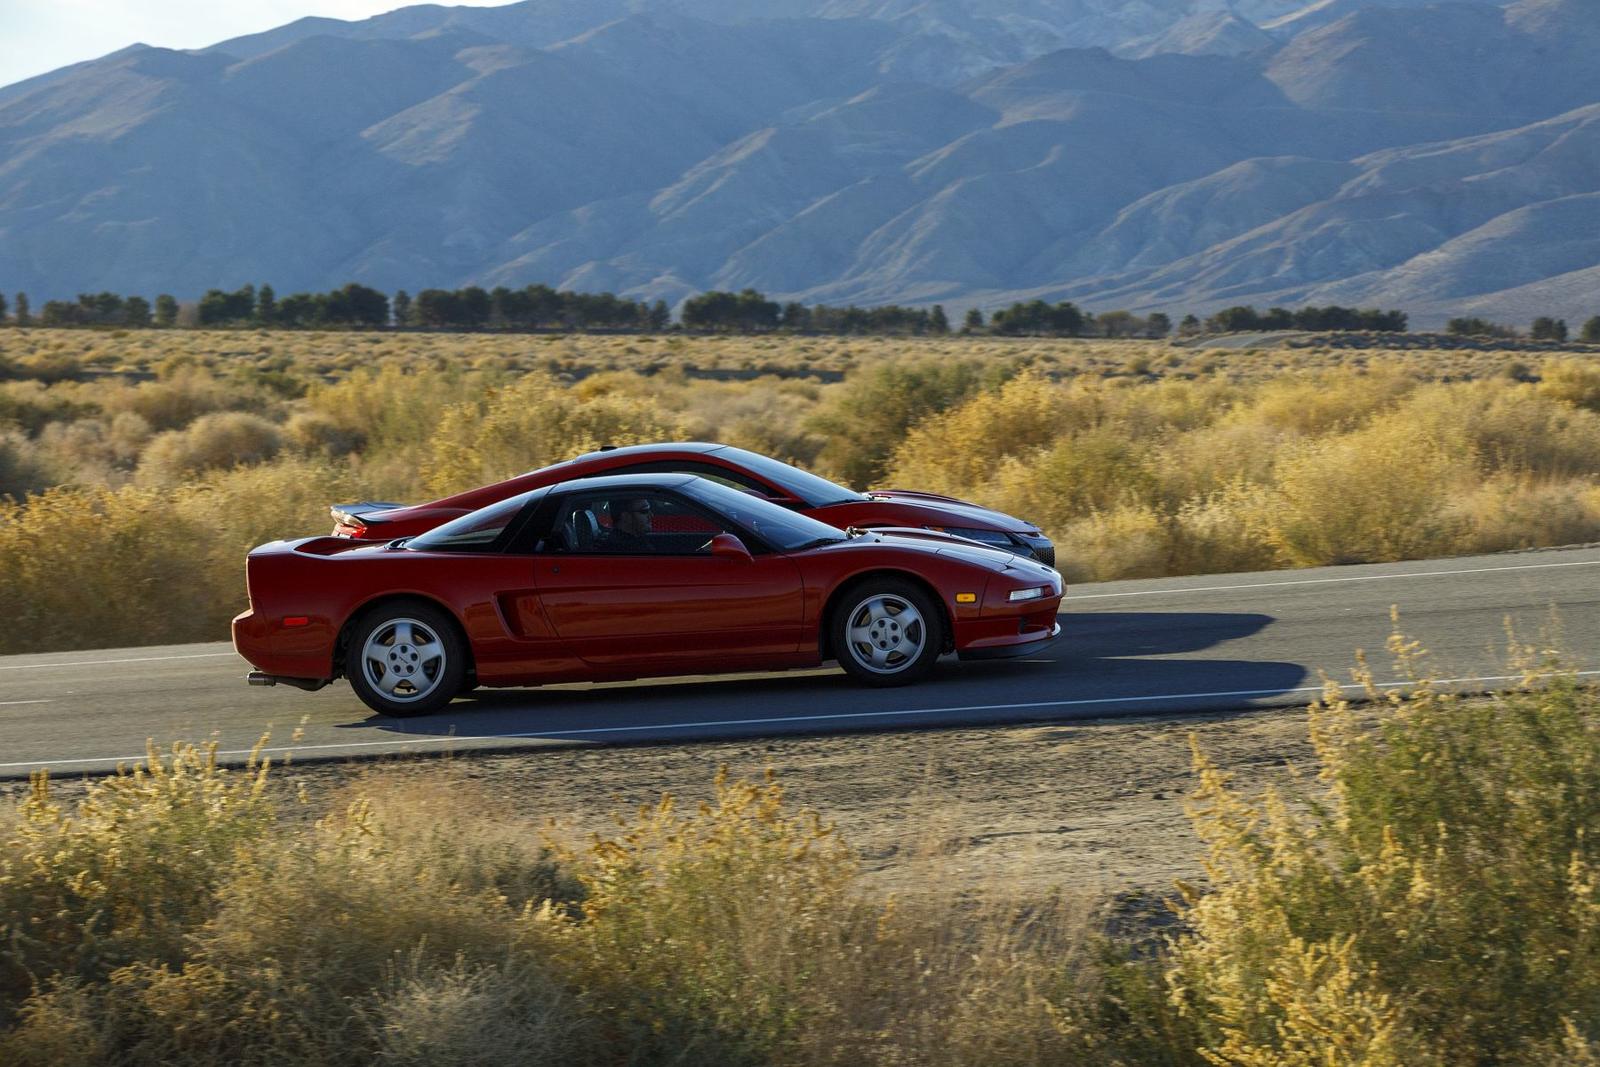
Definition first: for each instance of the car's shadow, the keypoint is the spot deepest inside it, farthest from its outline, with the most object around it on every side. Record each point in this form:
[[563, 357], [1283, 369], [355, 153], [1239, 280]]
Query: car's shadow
[[1102, 665]]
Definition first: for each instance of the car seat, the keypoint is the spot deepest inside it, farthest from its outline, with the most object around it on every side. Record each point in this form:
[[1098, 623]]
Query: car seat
[[583, 530]]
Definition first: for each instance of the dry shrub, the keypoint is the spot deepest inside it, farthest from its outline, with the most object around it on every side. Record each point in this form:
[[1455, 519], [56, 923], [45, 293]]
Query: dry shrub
[[33, 406], [1380, 493], [865, 419], [1511, 511], [92, 567], [960, 449], [472, 1016], [1096, 470], [211, 442], [700, 929], [1211, 459], [177, 398], [768, 415], [1222, 532], [385, 932], [91, 450], [1127, 541], [395, 408], [125, 874], [1312, 405], [1433, 900], [531, 423], [97, 568], [1234, 471], [1147, 409], [1511, 427], [1572, 381], [317, 433], [51, 365], [736, 934], [22, 469], [1432, 897], [373, 932]]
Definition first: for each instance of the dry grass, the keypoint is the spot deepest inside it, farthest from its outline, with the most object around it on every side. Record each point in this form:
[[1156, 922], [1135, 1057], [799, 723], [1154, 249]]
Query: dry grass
[[1139, 458], [419, 922], [1428, 896]]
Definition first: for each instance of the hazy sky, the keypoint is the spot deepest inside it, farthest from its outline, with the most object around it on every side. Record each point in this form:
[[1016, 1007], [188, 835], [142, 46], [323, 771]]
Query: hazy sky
[[40, 35]]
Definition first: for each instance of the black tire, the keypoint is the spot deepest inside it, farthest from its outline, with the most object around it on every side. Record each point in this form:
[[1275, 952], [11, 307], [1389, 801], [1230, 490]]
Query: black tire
[[406, 658], [875, 643]]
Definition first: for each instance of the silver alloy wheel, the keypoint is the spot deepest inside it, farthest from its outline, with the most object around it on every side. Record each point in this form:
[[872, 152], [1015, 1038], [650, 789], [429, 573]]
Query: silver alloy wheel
[[403, 659], [885, 633]]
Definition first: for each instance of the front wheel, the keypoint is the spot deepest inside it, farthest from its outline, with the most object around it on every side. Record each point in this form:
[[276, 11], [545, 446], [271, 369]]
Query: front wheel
[[887, 632], [406, 659]]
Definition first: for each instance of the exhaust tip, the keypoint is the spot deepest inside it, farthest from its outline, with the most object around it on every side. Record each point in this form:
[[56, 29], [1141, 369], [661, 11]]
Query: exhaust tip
[[261, 678]]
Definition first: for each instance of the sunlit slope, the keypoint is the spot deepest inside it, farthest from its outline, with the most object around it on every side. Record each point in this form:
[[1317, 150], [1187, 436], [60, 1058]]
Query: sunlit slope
[[847, 153]]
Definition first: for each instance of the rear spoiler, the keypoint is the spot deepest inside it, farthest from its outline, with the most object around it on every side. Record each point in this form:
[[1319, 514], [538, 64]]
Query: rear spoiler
[[365, 513], [355, 520], [919, 495]]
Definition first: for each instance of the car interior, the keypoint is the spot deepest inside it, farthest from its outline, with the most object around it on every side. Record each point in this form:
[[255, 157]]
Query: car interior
[[632, 524]]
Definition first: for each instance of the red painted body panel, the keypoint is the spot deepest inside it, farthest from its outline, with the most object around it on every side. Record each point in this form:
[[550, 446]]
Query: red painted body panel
[[532, 619]]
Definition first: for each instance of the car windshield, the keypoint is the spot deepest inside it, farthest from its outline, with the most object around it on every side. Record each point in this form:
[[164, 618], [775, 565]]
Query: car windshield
[[816, 492], [475, 532], [780, 527]]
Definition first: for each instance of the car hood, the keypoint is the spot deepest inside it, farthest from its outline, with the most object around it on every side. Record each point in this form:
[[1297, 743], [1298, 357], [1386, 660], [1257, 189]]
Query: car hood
[[948, 511], [947, 545]]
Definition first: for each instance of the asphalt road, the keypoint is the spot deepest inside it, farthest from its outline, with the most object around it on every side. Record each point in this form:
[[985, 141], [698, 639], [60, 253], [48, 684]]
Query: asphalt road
[[1167, 646]]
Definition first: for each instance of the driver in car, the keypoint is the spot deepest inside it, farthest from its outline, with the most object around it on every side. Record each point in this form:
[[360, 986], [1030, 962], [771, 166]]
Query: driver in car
[[630, 526]]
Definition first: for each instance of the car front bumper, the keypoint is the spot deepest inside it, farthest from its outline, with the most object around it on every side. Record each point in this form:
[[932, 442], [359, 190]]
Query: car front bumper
[[1023, 644]]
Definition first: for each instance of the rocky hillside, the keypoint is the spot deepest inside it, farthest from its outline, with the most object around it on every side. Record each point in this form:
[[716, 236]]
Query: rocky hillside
[[1172, 154]]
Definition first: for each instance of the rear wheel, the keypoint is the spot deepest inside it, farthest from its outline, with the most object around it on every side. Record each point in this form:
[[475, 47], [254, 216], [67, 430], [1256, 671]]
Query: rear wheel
[[887, 632], [406, 659]]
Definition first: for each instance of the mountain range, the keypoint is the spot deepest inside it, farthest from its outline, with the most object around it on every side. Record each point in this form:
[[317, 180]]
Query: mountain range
[[1175, 155]]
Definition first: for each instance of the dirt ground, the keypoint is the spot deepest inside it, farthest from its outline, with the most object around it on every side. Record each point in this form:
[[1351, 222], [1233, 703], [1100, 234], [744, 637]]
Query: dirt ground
[[1095, 806]]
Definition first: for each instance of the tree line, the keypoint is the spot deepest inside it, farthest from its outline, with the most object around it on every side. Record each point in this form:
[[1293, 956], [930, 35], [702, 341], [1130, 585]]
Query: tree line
[[539, 307], [1544, 328], [1246, 319]]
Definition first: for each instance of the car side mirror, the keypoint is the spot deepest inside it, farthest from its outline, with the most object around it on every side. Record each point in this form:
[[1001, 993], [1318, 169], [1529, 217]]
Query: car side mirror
[[726, 544]]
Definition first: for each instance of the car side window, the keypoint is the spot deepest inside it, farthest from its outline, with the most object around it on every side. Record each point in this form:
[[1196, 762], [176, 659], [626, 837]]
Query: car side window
[[479, 531], [630, 523]]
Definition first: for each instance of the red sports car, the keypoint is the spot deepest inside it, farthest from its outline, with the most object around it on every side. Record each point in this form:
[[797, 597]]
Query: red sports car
[[629, 576], [771, 479]]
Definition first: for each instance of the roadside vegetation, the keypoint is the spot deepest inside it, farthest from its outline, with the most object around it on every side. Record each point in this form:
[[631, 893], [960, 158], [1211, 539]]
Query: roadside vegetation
[[137, 468], [1428, 892]]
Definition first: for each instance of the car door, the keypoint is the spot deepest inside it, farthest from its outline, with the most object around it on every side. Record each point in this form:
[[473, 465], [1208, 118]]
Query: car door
[[628, 582]]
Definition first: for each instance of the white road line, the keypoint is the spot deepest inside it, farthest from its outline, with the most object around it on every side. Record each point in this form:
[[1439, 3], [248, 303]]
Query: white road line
[[647, 728], [13, 703], [98, 662], [1073, 598]]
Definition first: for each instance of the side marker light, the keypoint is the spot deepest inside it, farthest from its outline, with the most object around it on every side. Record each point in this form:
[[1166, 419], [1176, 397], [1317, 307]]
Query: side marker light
[[296, 620], [966, 598]]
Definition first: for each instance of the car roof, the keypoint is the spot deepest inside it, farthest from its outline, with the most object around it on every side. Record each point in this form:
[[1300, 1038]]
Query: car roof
[[666, 480], [701, 447]]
